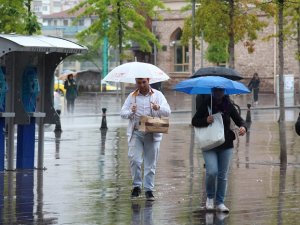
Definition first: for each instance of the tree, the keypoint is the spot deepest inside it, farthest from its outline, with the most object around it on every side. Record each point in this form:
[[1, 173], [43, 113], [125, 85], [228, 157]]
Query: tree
[[280, 6], [282, 127], [17, 17], [126, 22], [292, 27], [226, 20], [32, 25], [12, 16]]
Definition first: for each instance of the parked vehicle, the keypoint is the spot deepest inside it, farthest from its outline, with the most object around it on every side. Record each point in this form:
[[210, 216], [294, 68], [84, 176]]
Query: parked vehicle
[[59, 86], [110, 86]]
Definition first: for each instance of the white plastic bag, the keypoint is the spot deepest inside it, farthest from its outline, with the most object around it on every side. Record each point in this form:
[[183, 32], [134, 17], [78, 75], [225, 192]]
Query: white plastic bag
[[211, 136]]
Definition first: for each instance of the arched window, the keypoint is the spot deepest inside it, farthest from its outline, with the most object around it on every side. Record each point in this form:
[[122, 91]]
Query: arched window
[[181, 54]]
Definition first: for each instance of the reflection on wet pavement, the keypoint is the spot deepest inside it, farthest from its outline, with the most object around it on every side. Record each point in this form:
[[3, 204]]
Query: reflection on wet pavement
[[87, 180]]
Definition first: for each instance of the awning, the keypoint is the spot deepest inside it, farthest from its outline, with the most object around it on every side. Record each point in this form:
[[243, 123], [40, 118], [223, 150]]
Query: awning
[[38, 43]]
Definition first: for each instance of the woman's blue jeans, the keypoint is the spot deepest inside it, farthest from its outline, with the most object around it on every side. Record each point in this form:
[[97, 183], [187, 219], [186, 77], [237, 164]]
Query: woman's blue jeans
[[217, 164]]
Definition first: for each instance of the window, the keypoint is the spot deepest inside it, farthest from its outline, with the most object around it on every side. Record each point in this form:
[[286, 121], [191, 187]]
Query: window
[[81, 22], [181, 57], [181, 54], [66, 22]]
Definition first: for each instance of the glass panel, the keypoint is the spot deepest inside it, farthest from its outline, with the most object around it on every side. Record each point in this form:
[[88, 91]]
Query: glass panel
[[186, 53], [178, 55], [178, 68]]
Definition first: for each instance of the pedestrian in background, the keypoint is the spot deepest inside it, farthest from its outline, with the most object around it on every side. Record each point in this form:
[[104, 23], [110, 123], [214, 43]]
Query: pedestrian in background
[[217, 160], [71, 93], [254, 87], [142, 146]]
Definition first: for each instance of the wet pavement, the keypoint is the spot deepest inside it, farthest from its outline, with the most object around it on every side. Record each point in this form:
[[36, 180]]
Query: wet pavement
[[87, 180]]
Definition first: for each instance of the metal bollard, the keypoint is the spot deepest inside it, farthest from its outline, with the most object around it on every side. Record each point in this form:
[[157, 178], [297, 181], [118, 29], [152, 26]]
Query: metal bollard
[[103, 123], [58, 124], [248, 116]]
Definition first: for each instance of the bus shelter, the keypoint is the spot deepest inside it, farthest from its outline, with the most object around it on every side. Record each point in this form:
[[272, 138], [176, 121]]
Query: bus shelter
[[27, 65]]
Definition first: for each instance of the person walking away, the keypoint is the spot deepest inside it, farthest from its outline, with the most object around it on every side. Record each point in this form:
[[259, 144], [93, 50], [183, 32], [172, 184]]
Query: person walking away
[[217, 160], [254, 87], [142, 146], [71, 93]]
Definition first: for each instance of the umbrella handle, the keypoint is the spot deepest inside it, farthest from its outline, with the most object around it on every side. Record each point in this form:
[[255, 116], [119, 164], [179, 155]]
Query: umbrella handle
[[210, 113]]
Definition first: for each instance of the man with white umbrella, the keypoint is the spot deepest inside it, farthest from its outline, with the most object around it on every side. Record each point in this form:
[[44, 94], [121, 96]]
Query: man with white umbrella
[[143, 146]]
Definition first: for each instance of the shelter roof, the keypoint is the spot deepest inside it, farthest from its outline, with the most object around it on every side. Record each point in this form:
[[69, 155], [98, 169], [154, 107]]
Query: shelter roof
[[38, 43]]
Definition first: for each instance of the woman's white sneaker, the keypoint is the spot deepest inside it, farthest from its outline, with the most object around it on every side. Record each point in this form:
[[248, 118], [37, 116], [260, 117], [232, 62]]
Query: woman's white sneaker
[[210, 204], [222, 208]]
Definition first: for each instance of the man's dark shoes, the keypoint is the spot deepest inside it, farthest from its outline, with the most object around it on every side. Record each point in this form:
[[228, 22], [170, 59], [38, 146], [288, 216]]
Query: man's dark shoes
[[136, 191], [149, 196]]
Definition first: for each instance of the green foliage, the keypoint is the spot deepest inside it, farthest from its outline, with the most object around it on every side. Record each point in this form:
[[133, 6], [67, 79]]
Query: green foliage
[[212, 17], [291, 18], [291, 21], [12, 14], [16, 17], [125, 18], [32, 25], [217, 52]]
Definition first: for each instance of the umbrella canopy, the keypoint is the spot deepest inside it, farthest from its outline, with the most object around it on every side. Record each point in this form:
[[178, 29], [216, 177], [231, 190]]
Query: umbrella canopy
[[218, 71], [127, 73], [65, 74], [205, 85]]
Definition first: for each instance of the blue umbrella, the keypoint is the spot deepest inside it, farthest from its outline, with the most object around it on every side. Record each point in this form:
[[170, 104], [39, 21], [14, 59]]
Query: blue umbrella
[[205, 85]]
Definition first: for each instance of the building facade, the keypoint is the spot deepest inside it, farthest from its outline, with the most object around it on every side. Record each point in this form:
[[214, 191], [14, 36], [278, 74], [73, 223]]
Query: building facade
[[46, 7], [176, 60]]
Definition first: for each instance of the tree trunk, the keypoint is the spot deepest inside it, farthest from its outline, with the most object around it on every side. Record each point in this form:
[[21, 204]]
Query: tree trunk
[[298, 54], [231, 34], [282, 128], [120, 33], [28, 21]]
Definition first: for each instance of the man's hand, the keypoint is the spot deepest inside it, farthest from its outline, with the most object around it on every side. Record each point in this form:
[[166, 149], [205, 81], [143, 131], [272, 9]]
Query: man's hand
[[155, 106], [210, 119], [133, 108]]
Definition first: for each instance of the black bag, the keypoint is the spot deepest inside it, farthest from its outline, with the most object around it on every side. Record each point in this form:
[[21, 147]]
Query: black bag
[[297, 125]]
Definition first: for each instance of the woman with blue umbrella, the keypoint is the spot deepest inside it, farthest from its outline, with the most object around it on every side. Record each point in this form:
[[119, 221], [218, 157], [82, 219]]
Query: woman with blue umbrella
[[217, 160]]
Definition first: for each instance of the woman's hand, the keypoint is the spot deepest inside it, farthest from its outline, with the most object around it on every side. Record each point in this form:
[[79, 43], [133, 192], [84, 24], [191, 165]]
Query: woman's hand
[[242, 131], [210, 119]]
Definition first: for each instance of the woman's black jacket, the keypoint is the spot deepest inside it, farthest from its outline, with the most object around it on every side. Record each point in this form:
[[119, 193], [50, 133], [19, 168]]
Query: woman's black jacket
[[228, 111]]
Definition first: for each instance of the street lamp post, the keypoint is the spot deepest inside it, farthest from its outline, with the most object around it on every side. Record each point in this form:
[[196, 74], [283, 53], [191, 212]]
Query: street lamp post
[[193, 53]]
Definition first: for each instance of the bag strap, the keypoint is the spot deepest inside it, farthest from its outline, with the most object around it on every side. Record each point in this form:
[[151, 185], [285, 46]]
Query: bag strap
[[151, 112]]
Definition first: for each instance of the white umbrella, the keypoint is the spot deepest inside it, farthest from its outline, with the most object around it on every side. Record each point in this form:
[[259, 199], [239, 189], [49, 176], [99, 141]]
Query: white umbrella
[[127, 73]]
